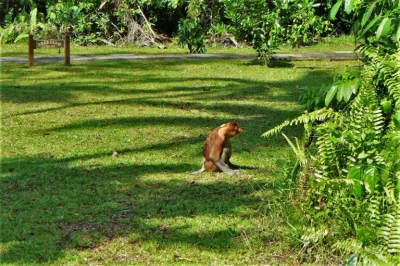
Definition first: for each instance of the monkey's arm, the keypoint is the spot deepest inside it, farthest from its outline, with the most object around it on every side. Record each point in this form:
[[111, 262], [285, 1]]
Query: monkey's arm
[[226, 155], [217, 155]]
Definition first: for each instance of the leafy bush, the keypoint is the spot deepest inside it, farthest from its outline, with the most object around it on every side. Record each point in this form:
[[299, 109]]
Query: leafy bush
[[83, 19], [191, 34], [352, 168], [299, 23], [19, 28], [267, 24], [262, 24]]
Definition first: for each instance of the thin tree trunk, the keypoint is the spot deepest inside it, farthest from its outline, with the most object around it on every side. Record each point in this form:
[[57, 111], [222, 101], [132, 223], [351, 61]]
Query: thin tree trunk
[[153, 40], [147, 22], [7, 6]]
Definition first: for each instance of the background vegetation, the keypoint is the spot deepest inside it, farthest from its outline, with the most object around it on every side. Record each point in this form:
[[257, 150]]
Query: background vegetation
[[194, 24]]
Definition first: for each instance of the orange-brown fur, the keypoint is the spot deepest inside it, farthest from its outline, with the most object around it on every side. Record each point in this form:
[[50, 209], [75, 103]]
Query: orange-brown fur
[[217, 149]]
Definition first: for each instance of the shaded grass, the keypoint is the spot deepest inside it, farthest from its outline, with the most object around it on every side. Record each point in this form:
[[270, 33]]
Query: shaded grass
[[67, 200]]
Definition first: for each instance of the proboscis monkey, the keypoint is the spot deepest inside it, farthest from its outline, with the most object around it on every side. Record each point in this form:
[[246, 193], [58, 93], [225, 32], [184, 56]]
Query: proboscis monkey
[[217, 149]]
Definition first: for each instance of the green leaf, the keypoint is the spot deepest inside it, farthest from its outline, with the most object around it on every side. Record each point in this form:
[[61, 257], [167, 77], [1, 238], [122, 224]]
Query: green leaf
[[370, 178], [367, 15], [348, 6], [341, 91], [362, 155], [354, 85], [348, 88], [396, 120], [398, 186], [331, 93], [21, 36], [384, 175], [358, 190], [347, 92], [335, 9], [33, 15], [297, 150], [397, 37], [386, 106], [355, 173], [371, 24], [383, 28]]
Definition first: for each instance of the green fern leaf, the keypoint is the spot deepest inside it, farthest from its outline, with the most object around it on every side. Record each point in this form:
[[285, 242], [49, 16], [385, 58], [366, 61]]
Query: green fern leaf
[[318, 115]]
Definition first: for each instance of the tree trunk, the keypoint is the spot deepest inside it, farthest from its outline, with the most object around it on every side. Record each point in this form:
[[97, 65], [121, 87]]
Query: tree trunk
[[7, 7]]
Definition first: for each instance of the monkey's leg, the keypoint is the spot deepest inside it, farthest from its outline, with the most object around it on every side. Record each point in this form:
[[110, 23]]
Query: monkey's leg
[[225, 157], [225, 168]]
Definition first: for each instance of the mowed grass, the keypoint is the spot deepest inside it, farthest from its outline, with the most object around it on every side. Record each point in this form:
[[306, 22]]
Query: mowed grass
[[335, 43], [96, 162]]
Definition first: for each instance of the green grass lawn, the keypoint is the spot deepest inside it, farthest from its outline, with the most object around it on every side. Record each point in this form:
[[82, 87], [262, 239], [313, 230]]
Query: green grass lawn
[[341, 43], [66, 200]]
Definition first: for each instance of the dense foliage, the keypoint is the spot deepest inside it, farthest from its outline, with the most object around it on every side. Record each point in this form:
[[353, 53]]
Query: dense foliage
[[349, 162], [196, 23], [267, 24]]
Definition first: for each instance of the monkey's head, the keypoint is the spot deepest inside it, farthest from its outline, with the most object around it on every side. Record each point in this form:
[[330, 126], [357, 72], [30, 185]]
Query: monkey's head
[[231, 129]]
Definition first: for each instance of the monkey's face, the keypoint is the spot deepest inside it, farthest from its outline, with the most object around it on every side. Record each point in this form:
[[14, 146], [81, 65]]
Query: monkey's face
[[233, 129]]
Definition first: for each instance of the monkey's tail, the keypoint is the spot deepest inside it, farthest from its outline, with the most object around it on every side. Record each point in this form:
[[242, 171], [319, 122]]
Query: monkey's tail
[[200, 171]]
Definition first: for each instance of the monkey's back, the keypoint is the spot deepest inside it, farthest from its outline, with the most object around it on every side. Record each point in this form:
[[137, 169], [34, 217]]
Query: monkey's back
[[213, 140]]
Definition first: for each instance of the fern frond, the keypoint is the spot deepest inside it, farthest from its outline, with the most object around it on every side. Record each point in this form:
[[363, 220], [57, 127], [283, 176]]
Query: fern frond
[[391, 230], [367, 255], [346, 181], [374, 211], [326, 152], [379, 122], [298, 150], [349, 246], [313, 235], [318, 115], [393, 79]]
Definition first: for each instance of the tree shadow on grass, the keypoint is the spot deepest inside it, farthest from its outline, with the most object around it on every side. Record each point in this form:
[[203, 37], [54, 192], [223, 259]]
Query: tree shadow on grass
[[49, 206], [53, 87], [271, 64]]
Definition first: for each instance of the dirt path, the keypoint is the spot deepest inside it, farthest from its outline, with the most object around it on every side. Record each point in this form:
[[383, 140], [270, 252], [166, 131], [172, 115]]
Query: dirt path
[[334, 56]]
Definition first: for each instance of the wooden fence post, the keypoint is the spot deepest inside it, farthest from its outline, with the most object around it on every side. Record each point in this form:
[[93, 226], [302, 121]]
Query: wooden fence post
[[31, 58], [67, 50]]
